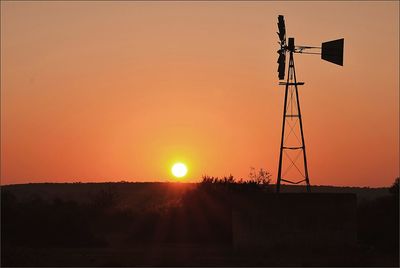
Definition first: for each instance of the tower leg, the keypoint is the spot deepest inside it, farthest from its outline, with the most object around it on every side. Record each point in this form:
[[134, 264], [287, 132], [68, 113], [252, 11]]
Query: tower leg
[[302, 135], [278, 182]]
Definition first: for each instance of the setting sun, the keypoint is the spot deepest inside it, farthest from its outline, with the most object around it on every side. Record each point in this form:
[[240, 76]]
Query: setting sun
[[179, 170]]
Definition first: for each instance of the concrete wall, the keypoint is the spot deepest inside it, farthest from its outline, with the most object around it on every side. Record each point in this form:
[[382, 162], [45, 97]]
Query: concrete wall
[[300, 219]]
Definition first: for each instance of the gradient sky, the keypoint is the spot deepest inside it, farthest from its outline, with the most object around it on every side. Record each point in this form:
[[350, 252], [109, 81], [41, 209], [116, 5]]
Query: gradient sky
[[110, 91]]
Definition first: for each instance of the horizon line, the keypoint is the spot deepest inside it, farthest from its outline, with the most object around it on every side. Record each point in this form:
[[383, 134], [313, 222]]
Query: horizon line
[[180, 182]]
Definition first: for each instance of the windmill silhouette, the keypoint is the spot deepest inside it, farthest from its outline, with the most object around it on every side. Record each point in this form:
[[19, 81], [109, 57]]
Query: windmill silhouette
[[331, 51]]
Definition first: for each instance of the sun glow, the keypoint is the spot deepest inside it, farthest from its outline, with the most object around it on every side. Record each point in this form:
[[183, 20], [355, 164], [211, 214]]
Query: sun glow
[[179, 170]]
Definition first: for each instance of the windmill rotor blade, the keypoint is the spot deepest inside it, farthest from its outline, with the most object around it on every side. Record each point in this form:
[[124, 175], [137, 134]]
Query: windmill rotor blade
[[281, 28], [281, 42], [281, 66], [332, 51], [281, 58]]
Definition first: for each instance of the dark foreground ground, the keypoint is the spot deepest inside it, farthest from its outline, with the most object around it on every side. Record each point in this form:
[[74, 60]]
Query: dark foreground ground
[[196, 255], [128, 224]]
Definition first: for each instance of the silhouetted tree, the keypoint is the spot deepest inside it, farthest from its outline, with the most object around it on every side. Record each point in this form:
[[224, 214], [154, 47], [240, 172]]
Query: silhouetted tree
[[261, 176]]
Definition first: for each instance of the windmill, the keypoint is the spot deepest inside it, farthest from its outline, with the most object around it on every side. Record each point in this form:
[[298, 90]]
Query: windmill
[[331, 51]]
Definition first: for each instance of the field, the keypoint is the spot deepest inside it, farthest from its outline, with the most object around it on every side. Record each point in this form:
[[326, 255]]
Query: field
[[170, 224]]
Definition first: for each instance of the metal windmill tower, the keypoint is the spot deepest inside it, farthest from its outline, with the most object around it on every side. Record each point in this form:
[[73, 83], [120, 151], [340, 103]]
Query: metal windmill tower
[[331, 51]]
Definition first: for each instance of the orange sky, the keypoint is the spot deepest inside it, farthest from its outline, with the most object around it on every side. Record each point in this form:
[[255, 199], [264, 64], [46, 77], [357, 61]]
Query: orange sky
[[110, 91]]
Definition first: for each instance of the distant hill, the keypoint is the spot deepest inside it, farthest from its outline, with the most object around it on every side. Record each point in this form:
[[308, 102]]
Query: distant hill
[[151, 194]]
